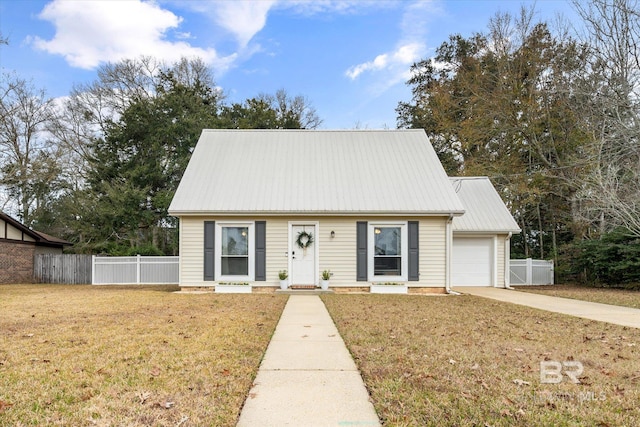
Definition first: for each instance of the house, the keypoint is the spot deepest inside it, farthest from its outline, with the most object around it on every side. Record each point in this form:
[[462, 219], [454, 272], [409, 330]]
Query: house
[[18, 245], [370, 206]]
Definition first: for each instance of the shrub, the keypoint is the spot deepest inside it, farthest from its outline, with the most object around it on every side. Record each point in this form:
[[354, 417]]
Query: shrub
[[611, 261]]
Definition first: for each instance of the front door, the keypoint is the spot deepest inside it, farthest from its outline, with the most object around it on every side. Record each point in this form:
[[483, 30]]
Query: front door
[[303, 254]]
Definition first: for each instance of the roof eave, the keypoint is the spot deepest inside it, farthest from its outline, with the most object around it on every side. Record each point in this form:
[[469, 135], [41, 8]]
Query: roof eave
[[178, 213], [491, 231]]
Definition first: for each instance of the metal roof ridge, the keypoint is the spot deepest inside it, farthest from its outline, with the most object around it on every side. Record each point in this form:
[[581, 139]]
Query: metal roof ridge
[[314, 130]]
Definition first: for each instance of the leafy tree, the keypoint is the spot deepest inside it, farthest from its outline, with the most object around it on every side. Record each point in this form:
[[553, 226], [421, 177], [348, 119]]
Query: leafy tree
[[500, 104], [613, 260], [136, 167], [278, 111], [100, 168]]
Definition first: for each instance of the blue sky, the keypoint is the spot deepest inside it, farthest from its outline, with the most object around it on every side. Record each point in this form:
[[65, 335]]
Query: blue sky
[[349, 58]]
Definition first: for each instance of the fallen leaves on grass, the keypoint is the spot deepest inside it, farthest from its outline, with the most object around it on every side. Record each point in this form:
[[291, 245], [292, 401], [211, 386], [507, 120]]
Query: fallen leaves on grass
[[621, 297], [468, 361], [134, 368], [144, 396], [167, 404]]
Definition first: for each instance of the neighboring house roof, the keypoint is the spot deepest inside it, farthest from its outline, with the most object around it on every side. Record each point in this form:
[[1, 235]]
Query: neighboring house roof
[[38, 237], [484, 209], [315, 171]]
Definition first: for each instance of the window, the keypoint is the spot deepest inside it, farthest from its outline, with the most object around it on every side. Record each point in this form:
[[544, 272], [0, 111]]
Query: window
[[235, 246], [235, 251], [388, 251], [387, 259]]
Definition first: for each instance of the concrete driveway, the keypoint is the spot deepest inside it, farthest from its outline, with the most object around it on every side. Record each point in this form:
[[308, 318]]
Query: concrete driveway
[[624, 316]]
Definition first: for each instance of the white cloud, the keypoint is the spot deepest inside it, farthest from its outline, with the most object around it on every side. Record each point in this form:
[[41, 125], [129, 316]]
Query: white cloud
[[313, 7], [89, 33], [401, 58], [243, 18], [393, 66], [246, 18]]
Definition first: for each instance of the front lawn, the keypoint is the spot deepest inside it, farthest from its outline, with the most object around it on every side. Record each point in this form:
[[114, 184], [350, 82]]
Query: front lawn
[[622, 297], [470, 361], [82, 355]]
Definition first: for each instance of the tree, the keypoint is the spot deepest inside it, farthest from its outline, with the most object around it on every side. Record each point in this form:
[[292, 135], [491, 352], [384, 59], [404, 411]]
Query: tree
[[265, 111], [136, 167], [123, 142], [28, 161], [609, 195], [500, 104]]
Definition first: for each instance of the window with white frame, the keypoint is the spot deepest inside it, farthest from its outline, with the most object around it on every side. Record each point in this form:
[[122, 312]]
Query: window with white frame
[[388, 251], [234, 251]]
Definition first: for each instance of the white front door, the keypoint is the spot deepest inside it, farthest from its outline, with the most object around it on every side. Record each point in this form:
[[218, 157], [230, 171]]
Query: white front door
[[303, 259]]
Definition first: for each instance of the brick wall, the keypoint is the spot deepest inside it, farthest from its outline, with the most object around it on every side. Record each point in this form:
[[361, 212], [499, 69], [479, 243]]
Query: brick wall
[[16, 262]]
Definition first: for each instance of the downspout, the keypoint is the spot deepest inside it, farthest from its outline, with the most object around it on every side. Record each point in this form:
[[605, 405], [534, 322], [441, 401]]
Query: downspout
[[448, 243], [507, 262]]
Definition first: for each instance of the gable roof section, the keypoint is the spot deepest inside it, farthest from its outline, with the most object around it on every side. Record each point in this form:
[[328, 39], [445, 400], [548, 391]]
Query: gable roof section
[[484, 209], [40, 238], [314, 171]]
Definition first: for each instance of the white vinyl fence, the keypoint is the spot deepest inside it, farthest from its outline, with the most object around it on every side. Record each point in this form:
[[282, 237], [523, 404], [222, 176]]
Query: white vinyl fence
[[531, 272], [135, 270]]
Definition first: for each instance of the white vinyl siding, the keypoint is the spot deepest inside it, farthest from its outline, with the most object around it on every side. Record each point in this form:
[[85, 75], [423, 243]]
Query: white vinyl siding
[[337, 254], [192, 251], [501, 260], [432, 252], [277, 246]]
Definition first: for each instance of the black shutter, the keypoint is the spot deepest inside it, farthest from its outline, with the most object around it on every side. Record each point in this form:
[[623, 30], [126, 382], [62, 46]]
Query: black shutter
[[361, 258], [414, 270], [261, 251], [209, 250]]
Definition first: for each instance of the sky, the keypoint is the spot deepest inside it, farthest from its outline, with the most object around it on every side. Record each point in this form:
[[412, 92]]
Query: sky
[[350, 59]]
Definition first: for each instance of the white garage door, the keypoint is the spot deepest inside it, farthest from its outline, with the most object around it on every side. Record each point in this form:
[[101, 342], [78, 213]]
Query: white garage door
[[472, 261]]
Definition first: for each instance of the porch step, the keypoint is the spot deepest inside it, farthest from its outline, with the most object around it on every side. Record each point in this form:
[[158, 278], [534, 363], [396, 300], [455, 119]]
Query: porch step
[[311, 291], [302, 286]]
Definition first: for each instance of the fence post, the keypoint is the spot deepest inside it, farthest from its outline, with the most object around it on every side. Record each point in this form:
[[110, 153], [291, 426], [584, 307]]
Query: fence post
[[138, 269], [529, 274], [552, 273], [93, 269]]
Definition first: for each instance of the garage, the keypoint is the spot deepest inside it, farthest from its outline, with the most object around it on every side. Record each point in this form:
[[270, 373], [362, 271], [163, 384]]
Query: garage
[[472, 262]]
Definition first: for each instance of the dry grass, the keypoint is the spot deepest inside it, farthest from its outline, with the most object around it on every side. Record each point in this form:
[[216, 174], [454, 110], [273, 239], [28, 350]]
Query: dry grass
[[469, 361], [82, 355], [622, 297]]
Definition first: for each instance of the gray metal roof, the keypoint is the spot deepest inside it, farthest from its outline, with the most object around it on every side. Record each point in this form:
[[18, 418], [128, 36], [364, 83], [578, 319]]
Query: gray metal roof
[[484, 209], [314, 171]]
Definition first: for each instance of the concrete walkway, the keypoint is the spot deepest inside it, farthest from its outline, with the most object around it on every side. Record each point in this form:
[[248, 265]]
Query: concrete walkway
[[307, 376], [624, 316]]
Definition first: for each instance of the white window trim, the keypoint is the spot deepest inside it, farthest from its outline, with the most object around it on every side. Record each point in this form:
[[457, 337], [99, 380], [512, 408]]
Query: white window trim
[[404, 256], [218, 252]]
